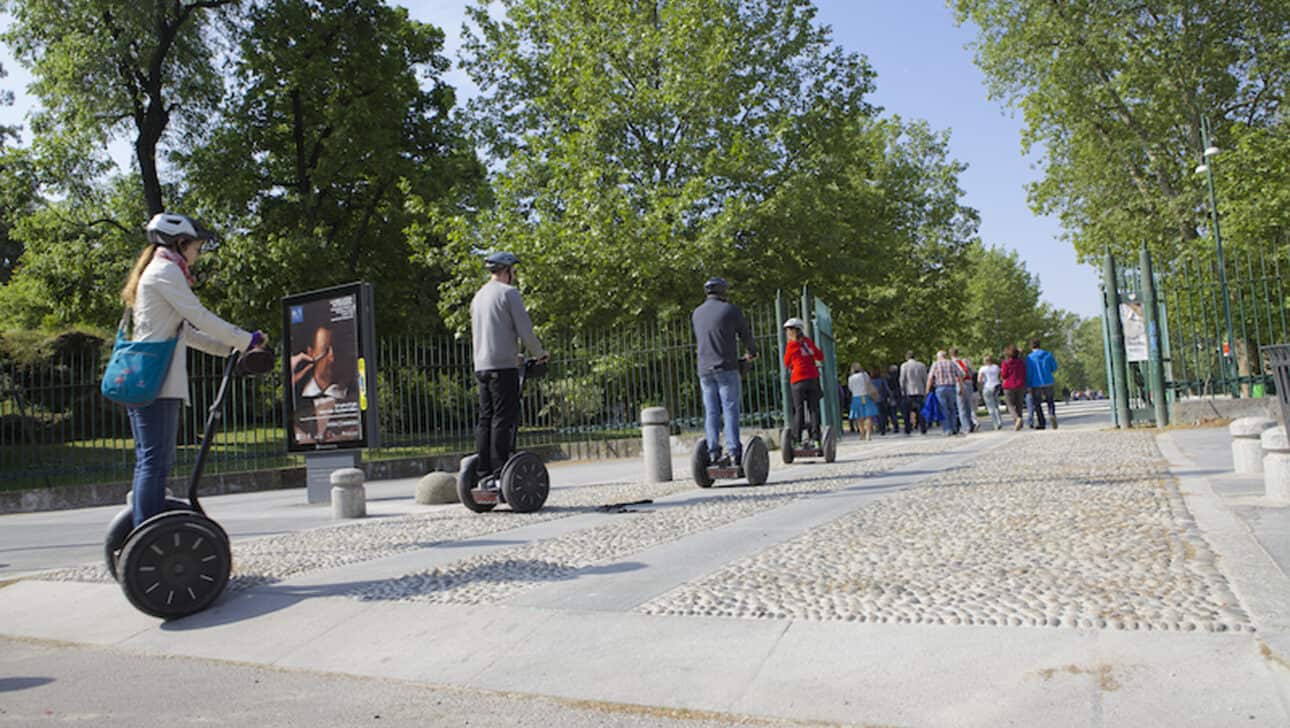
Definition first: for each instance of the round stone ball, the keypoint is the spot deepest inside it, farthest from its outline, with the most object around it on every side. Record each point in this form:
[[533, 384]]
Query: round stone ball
[[437, 488]]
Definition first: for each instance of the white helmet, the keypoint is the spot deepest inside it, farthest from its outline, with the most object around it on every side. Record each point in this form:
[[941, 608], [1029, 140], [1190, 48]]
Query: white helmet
[[168, 228], [795, 323]]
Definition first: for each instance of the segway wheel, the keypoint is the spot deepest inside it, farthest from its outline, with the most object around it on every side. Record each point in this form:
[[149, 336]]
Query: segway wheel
[[119, 530], [786, 446], [525, 482], [830, 444], [175, 564], [699, 464], [467, 479], [756, 461]]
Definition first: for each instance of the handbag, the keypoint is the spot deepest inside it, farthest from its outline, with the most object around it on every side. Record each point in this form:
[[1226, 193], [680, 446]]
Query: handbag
[[137, 369]]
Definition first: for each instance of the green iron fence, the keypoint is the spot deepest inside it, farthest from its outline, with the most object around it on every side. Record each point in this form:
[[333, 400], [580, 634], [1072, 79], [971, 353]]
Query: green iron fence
[[1199, 357], [1204, 361], [55, 427]]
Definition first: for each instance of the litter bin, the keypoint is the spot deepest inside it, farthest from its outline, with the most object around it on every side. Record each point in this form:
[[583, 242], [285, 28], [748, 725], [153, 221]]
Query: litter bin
[[1279, 362]]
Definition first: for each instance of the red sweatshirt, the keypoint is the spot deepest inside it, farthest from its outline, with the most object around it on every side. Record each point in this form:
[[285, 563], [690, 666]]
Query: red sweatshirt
[[1013, 372], [800, 357]]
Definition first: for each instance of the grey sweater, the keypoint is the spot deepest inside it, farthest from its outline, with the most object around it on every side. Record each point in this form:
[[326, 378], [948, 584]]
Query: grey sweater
[[716, 325], [498, 322]]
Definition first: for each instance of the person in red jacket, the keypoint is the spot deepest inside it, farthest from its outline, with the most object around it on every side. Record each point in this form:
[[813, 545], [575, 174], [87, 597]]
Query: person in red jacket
[[1013, 372], [803, 360]]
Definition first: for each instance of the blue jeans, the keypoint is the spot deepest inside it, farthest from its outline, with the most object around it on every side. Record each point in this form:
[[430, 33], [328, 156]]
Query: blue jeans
[[155, 428], [721, 402], [948, 397]]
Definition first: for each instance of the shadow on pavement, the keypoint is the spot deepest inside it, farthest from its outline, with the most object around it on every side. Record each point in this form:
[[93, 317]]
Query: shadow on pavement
[[11, 684]]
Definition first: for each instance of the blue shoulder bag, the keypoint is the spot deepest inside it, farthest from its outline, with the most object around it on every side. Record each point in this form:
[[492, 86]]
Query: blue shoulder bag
[[137, 369]]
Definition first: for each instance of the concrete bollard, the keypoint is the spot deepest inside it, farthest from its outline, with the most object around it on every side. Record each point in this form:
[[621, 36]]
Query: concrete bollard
[[1247, 451], [656, 445], [348, 496], [436, 489], [1276, 464]]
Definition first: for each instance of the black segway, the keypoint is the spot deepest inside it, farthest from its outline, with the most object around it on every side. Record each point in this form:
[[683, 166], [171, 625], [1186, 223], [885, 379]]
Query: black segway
[[523, 482], [178, 562], [826, 448], [755, 466]]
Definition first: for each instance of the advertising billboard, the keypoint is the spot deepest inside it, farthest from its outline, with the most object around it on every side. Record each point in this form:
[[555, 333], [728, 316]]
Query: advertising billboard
[[1134, 323], [329, 367]]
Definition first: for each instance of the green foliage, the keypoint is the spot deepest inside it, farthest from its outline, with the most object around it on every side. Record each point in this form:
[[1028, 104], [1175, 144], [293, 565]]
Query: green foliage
[[76, 258], [646, 147], [328, 139], [105, 67], [1114, 91]]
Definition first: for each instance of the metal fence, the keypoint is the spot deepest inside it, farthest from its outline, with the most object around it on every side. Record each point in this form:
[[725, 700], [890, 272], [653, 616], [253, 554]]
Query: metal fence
[[55, 427], [1204, 359], [1199, 356]]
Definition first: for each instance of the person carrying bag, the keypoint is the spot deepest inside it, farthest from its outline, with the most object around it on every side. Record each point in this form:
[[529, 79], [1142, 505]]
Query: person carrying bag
[[148, 371]]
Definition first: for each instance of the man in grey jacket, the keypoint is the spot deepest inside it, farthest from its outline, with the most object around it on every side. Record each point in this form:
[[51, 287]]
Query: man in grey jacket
[[498, 323], [717, 325], [913, 382]]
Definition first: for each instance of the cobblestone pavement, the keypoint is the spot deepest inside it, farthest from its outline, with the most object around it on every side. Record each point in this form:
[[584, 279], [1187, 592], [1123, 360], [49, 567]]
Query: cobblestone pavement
[[274, 558], [1089, 534]]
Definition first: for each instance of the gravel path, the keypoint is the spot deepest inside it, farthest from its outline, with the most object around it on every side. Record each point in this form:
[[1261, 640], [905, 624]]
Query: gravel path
[[274, 558], [1088, 530], [500, 574]]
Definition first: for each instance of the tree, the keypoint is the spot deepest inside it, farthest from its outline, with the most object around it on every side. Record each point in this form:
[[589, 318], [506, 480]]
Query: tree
[[1114, 91], [102, 67], [644, 146], [6, 99], [1002, 304], [328, 140]]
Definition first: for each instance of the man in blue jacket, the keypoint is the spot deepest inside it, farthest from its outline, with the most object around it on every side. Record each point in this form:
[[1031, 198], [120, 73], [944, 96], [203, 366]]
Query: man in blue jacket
[[1040, 366]]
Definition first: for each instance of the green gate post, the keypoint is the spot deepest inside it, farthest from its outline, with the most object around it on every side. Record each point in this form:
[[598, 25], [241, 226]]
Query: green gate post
[[1120, 397], [785, 388], [807, 305], [832, 414], [1155, 363], [1106, 351]]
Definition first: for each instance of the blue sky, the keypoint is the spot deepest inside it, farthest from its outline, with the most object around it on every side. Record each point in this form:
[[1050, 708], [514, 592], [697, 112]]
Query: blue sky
[[924, 71]]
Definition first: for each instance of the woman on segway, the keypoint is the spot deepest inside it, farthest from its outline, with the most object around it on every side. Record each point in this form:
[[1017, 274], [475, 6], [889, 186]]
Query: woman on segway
[[160, 303], [803, 359]]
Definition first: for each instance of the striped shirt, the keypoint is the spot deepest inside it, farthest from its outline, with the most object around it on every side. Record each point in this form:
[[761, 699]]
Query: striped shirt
[[944, 373]]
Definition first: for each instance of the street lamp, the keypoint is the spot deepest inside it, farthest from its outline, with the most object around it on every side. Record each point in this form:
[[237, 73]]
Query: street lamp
[[1204, 168]]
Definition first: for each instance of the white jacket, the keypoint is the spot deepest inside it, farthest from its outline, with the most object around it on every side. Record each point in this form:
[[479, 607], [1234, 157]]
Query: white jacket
[[162, 303]]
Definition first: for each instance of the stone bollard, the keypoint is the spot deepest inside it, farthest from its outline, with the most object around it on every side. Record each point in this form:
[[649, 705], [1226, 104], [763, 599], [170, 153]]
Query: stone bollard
[[348, 496], [656, 445], [1247, 452], [1276, 464], [437, 488]]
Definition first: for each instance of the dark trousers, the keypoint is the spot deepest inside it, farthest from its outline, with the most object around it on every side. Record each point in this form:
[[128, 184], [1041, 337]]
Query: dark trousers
[[806, 408], [913, 406], [499, 416], [1040, 395], [1016, 401]]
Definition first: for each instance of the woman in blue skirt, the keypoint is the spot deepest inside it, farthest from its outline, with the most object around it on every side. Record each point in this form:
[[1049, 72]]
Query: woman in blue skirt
[[864, 401]]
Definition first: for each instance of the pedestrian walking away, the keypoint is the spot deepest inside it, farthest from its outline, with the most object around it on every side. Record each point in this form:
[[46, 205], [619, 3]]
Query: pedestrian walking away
[[1040, 366], [1013, 373], [895, 397], [944, 381], [864, 400], [160, 305], [967, 392], [990, 382], [719, 330], [499, 324], [913, 383], [803, 359]]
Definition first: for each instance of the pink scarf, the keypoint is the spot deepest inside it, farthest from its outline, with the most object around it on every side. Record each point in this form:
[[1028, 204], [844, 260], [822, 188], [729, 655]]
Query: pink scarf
[[178, 260]]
